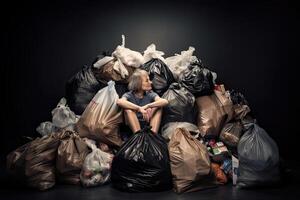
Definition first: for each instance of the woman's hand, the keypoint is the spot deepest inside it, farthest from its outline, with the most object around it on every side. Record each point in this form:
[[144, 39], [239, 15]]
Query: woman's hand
[[144, 113]]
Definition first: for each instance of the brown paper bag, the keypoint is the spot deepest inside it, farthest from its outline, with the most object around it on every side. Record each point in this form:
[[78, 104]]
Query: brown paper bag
[[70, 157], [190, 164], [101, 119]]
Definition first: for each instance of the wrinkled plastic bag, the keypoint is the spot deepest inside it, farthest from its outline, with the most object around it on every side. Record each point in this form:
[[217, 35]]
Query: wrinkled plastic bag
[[81, 88], [62, 116], [190, 163], [46, 128], [151, 53], [142, 164], [231, 133], [214, 111], [159, 74], [127, 57], [168, 129], [181, 105], [96, 169], [258, 157], [71, 154], [113, 70], [40, 160], [198, 79], [180, 62], [101, 119]]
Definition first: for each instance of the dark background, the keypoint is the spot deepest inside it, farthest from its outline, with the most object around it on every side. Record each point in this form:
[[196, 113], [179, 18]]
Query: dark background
[[249, 44]]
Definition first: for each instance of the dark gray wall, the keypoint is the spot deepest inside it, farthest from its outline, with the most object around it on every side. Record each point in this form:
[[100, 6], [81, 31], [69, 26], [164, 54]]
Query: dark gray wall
[[46, 42]]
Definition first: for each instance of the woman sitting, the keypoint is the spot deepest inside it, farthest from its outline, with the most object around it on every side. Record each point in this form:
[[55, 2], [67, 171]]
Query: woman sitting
[[141, 105]]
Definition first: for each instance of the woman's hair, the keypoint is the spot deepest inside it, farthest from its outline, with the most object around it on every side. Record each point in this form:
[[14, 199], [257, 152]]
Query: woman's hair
[[135, 81]]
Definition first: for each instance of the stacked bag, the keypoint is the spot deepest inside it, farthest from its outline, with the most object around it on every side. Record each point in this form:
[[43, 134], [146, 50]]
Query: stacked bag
[[205, 130]]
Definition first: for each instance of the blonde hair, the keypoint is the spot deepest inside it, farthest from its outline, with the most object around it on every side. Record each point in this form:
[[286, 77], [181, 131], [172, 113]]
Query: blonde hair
[[135, 81]]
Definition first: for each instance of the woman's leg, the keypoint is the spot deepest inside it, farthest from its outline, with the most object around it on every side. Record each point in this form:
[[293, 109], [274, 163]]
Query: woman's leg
[[132, 120], [155, 120]]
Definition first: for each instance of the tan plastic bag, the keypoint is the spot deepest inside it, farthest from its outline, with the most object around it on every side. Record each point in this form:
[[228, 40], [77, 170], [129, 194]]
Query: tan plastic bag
[[190, 164], [70, 157], [108, 72], [231, 133], [100, 120], [213, 112], [40, 161]]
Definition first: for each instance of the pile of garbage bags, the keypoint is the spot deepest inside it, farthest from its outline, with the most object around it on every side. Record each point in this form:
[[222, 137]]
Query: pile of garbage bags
[[207, 138]]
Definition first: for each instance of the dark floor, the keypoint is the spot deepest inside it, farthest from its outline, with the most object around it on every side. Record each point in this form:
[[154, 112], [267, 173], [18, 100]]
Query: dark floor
[[289, 189]]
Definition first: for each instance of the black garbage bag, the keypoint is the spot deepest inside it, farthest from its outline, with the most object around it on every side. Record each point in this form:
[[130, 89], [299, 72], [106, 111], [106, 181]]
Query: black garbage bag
[[240, 105], [142, 164], [181, 107], [160, 75], [237, 97], [258, 157], [81, 88], [197, 79]]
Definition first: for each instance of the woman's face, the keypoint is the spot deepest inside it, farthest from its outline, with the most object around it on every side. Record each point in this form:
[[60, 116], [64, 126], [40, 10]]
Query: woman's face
[[146, 83]]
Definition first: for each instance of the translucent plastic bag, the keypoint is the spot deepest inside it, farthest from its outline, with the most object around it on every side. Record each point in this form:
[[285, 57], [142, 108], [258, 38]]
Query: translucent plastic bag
[[214, 111], [190, 163], [258, 157], [127, 56], [180, 62], [101, 119], [71, 154], [46, 128], [62, 116], [151, 53], [96, 168], [169, 129]]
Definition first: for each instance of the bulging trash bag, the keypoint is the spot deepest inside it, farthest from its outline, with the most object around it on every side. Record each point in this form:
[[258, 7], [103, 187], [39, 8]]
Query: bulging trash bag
[[113, 70], [101, 119], [127, 56], [181, 105], [71, 154], [190, 163], [151, 53], [81, 88], [168, 129], [180, 62], [231, 133], [46, 128], [240, 105], [213, 112], [142, 164], [62, 116], [15, 162], [160, 75], [197, 79], [96, 169], [258, 157], [40, 160]]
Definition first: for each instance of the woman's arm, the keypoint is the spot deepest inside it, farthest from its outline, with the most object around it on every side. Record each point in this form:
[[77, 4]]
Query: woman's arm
[[158, 102], [123, 103]]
